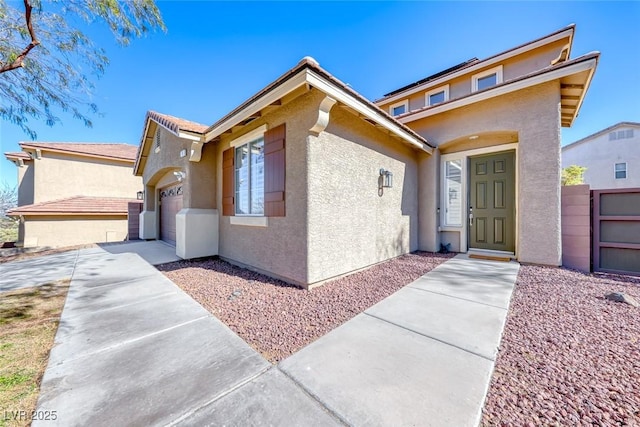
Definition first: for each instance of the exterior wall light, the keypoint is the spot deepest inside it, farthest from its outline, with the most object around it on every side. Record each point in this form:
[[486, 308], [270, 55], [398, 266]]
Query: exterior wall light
[[180, 175], [140, 195], [387, 178]]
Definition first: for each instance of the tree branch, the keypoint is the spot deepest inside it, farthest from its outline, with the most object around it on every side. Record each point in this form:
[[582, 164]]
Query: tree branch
[[19, 61]]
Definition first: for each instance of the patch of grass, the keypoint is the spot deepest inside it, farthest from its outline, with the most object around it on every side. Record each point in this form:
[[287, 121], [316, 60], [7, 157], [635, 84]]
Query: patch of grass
[[29, 319]]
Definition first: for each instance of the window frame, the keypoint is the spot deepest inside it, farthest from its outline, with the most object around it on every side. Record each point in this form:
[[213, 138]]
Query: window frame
[[246, 139], [615, 170], [495, 70], [427, 95], [445, 193], [404, 103]]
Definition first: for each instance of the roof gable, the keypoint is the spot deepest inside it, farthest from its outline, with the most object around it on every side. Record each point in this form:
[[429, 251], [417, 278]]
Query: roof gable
[[635, 125]]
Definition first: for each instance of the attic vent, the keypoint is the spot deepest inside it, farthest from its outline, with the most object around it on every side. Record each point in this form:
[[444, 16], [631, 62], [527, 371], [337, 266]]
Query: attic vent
[[157, 140]]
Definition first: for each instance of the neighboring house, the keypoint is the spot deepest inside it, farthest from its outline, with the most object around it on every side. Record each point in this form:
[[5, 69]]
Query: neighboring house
[[307, 180], [73, 193], [611, 156]]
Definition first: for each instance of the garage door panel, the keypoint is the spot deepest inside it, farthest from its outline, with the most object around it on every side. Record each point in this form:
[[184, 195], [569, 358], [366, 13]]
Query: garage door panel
[[170, 205]]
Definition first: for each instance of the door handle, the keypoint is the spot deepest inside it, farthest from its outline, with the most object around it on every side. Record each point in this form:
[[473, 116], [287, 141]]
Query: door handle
[[470, 216]]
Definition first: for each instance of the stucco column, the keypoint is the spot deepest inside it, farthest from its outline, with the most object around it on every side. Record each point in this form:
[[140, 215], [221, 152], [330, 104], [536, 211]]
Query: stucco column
[[539, 231], [196, 233], [428, 194]]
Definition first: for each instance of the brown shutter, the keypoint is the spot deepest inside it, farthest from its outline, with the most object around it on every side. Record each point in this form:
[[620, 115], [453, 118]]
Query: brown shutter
[[274, 171], [228, 190]]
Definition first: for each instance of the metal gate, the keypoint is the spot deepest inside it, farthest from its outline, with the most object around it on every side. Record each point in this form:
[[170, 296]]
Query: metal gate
[[616, 231]]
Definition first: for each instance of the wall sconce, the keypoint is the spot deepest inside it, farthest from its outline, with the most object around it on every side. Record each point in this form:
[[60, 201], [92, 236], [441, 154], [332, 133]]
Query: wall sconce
[[387, 178], [140, 195], [180, 175]]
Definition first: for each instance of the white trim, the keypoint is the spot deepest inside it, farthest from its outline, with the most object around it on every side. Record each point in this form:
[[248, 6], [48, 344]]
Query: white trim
[[464, 156], [257, 133], [427, 96], [615, 171], [482, 64], [495, 70], [257, 105], [367, 111], [309, 77], [504, 89], [249, 221], [404, 104]]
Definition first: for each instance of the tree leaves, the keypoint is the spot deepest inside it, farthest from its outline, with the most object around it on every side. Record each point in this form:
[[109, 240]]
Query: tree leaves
[[53, 67]]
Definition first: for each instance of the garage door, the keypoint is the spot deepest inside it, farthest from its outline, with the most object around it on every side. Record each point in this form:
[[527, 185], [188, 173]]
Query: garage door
[[170, 205]]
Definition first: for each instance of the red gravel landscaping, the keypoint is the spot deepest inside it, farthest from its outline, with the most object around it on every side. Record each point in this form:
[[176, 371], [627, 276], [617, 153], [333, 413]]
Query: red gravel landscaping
[[568, 356], [278, 319]]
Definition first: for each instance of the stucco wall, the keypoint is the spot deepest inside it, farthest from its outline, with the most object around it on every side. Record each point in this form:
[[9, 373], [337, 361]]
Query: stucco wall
[[25, 184], [599, 156], [535, 114], [350, 225], [280, 248], [159, 167], [58, 176], [68, 231]]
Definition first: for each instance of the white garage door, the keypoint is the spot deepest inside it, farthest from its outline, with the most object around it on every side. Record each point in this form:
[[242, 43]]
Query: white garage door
[[170, 205]]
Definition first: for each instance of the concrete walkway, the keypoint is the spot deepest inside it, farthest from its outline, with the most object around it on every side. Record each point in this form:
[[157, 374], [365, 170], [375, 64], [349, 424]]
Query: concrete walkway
[[423, 356], [133, 349]]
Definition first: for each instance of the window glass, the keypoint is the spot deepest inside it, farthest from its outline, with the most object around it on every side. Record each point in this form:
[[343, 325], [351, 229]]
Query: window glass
[[621, 170], [453, 192], [257, 177], [487, 81], [249, 178], [400, 109], [436, 98]]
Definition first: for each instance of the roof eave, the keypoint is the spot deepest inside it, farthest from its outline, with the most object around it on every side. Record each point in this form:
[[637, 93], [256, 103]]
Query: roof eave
[[558, 35], [26, 145], [308, 75], [587, 63]]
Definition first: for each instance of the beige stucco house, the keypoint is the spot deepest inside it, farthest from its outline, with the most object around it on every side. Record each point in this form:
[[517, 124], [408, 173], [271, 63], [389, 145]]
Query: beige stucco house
[[611, 156], [307, 180], [73, 193]]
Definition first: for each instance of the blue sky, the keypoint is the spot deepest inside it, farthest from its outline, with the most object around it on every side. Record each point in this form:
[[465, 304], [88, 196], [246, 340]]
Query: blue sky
[[217, 54]]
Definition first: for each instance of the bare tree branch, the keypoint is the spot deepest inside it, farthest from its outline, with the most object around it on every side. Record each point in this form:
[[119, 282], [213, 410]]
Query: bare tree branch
[[19, 61]]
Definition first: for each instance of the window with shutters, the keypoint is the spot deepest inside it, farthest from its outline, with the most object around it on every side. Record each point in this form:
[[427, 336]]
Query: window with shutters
[[253, 175]]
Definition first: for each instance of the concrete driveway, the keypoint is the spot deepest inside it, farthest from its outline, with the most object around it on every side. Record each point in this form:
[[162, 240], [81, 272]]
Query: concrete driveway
[[134, 349]]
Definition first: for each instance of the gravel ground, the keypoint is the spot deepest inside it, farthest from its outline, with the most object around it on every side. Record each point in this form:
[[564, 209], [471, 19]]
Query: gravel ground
[[278, 319], [568, 356]]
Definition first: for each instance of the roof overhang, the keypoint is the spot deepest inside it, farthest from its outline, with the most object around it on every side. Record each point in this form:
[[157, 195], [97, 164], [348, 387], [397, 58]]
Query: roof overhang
[[567, 32], [310, 76], [36, 148], [575, 77]]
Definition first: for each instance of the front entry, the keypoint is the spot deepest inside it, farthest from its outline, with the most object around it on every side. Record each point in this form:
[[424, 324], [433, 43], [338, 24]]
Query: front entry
[[492, 202]]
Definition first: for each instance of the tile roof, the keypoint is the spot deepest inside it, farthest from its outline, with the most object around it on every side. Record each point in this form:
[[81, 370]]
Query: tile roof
[[78, 205], [91, 149], [17, 155], [176, 124]]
